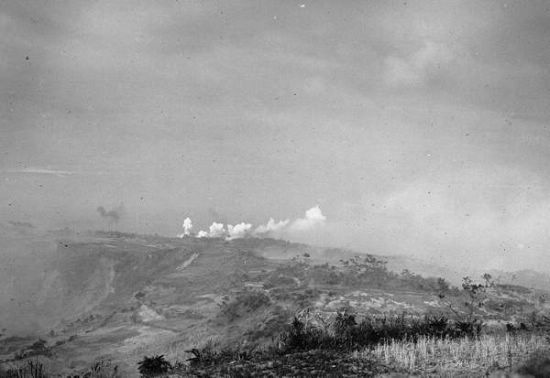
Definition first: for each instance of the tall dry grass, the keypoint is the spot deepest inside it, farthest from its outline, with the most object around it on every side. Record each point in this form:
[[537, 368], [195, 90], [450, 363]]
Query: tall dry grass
[[446, 357]]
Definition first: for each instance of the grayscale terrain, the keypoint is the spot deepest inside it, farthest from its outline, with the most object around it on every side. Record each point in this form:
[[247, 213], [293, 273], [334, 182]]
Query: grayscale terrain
[[205, 188]]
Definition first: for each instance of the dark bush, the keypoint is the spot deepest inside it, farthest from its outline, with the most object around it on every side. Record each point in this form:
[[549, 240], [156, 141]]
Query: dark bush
[[471, 328], [211, 354], [345, 333], [153, 366]]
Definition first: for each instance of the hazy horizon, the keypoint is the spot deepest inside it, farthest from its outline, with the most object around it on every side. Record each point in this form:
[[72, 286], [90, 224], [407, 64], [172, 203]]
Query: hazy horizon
[[417, 127]]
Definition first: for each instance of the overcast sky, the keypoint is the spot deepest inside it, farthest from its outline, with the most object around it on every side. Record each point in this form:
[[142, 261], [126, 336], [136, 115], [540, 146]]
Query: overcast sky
[[417, 127]]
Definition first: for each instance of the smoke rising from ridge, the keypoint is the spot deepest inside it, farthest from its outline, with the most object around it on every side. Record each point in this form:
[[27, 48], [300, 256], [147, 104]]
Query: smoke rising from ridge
[[271, 227], [313, 219], [238, 231], [187, 227], [216, 230]]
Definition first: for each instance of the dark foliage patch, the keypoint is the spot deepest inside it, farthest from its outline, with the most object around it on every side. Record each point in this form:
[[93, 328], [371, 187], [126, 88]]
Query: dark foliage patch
[[154, 366], [345, 333]]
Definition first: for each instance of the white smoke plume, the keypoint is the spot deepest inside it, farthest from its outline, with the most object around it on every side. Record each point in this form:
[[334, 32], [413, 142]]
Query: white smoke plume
[[271, 227], [216, 230], [202, 234], [238, 231], [187, 227], [313, 219]]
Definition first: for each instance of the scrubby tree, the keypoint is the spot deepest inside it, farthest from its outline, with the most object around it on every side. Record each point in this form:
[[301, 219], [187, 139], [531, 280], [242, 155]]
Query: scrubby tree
[[467, 304]]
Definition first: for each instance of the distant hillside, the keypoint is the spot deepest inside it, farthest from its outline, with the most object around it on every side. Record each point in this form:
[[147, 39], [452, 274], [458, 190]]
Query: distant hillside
[[526, 278], [424, 268]]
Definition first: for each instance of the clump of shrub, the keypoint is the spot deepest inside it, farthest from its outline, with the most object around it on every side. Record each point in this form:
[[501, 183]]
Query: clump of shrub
[[346, 333], [154, 366]]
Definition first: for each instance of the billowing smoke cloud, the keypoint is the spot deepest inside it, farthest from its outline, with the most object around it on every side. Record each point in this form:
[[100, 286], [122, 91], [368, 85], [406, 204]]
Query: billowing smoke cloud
[[216, 230], [187, 227], [202, 234], [238, 231], [312, 220], [271, 227]]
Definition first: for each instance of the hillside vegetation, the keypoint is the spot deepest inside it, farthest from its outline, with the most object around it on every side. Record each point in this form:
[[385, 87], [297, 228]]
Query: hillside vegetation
[[134, 304]]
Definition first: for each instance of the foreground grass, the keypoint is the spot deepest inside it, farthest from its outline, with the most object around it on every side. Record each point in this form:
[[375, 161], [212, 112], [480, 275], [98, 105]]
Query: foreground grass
[[469, 356], [342, 346], [449, 357], [380, 345], [488, 354]]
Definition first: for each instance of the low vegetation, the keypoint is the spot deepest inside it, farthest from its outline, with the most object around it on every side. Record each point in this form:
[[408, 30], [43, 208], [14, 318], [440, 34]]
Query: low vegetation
[[28, 369], [428, 345], [154, 366], [465, 355], [275, 326]]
